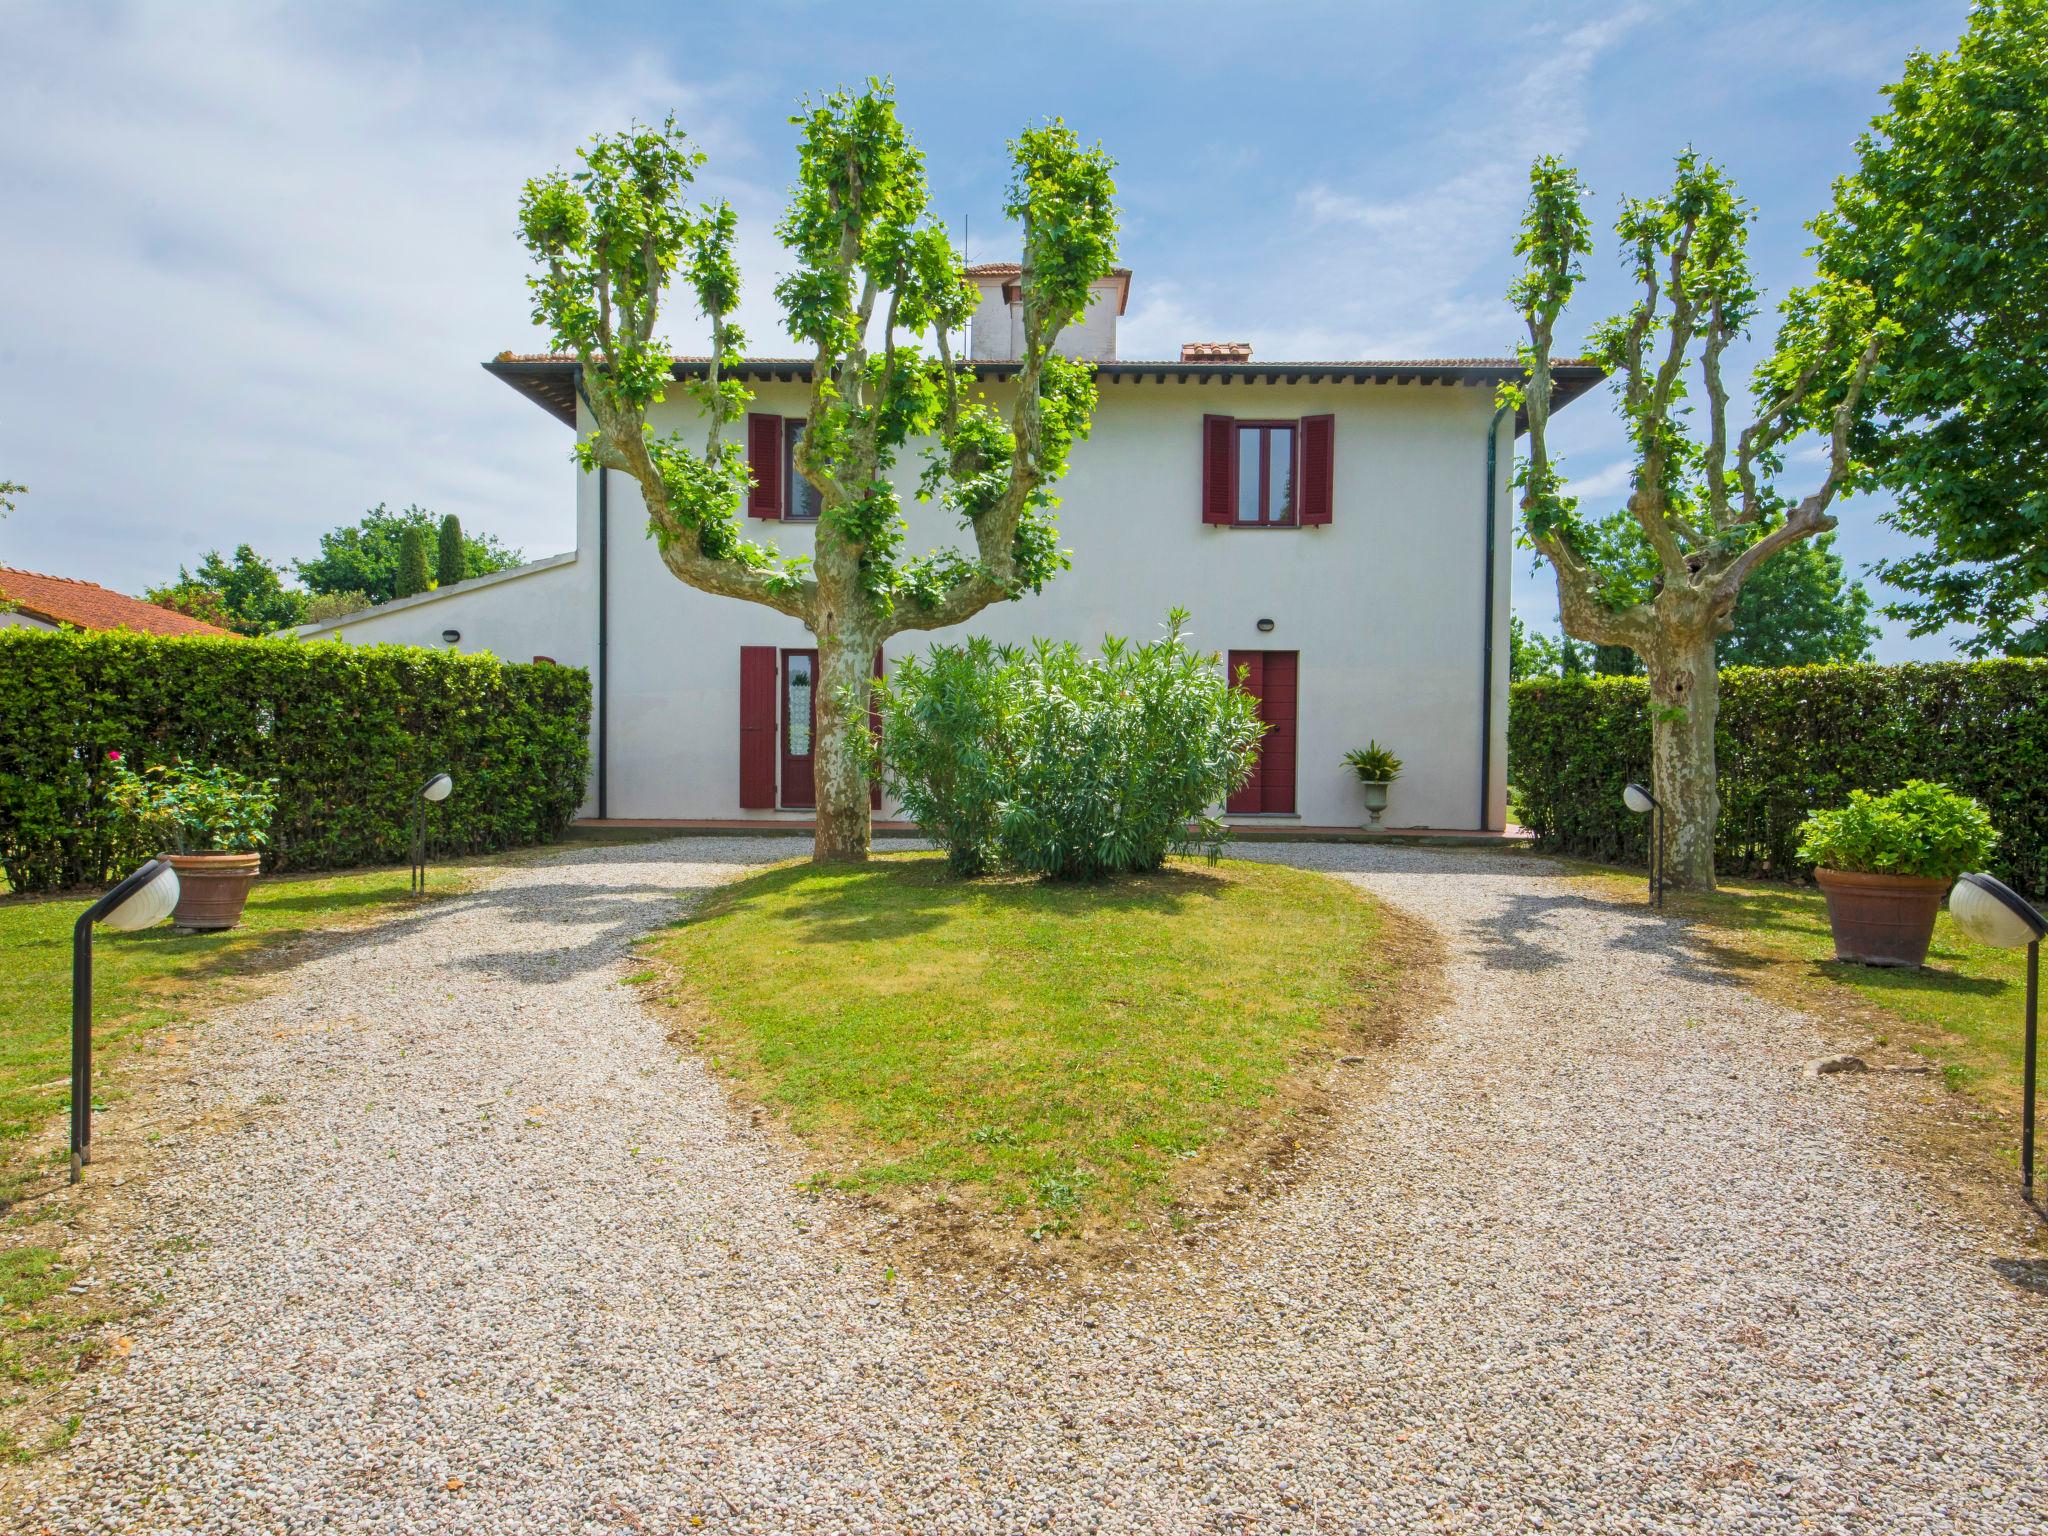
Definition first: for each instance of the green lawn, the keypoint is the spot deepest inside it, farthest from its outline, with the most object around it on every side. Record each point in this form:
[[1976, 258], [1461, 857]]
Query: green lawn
[[1072, 1055], [143, 982], [1964, 1011]]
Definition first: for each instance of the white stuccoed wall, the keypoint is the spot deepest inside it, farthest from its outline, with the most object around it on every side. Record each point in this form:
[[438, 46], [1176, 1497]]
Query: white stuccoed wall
[[1384, 605]]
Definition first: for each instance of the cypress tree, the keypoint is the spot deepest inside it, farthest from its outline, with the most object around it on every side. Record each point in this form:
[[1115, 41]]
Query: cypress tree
[[449, 564], [412, 563]]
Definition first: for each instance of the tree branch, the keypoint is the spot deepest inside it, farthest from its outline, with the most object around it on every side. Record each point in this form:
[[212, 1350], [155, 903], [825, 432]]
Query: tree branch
[[1810, 516]]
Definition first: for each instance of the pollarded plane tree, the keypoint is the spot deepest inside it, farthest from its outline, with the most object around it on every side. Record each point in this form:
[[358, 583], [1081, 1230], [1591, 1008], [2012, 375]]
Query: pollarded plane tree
[[873, 278], [1662, 576]]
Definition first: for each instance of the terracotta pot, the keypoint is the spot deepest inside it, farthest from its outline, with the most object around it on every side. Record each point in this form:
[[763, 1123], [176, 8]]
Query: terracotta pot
[[1881, 919], [212, 887]]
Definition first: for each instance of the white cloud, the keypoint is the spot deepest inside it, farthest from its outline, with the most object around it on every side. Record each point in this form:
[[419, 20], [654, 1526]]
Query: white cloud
[[266, 254]]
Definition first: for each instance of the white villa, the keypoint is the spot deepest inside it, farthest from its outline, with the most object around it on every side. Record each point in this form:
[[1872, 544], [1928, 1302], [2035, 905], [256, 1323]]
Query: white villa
[[1342, 529]]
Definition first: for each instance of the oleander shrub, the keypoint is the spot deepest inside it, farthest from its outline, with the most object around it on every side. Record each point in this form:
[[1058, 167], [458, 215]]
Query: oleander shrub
[[348, 732], [1791, 741], [1047, 761]]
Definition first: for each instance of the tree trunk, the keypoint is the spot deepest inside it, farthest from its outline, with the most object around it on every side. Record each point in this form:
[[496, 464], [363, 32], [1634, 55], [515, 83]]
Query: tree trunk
[[1685, 701], [839, 755]]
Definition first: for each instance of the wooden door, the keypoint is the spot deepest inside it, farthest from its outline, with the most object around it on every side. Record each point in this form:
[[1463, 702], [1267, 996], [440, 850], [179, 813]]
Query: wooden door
[[1270, 677], [799, 728]]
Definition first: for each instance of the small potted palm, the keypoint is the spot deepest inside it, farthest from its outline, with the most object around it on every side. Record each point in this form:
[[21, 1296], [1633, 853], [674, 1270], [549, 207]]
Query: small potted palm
[[1885, 862], [215, 824], [1376, 768]]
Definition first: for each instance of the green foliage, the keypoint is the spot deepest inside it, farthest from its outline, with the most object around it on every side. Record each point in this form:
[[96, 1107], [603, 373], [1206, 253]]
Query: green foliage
[[181, 808], [246, 594], [1792, 740], [865, 245], [451, 560], [1799, 608], [322, 606], [948, 729], [1054, 763], [412, 578], [1373, 764], [348, 732], [363, 557], [1921, 829], [1945, 219], [9, 489]]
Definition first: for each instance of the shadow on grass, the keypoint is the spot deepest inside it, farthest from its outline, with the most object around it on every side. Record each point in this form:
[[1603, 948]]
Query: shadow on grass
[[894, 899]]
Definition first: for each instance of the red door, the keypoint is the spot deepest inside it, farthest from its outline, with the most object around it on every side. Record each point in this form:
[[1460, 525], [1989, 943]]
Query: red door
[[799, 727], [1270, 677]]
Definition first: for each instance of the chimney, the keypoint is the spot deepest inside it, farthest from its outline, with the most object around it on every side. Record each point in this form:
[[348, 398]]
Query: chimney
[[996, 334], [1215, 351]]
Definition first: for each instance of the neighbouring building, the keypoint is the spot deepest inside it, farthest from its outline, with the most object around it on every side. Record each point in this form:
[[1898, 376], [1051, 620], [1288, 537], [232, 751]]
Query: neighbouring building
[[1341, 530], [29, 600]]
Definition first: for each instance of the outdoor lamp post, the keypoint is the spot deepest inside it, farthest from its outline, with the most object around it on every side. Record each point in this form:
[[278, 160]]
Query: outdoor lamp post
[[433, 792], [1992, 912], [1641, 801], [145, 897]]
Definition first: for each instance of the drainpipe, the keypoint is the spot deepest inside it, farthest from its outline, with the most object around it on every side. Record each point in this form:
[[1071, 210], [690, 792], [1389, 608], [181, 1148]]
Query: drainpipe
[[604, 636], [1486, 621]]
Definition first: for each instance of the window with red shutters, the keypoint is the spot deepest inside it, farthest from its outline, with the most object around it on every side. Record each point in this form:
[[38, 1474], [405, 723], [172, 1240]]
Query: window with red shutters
[[757, 727], [1318, 470], [765, 459], [1272, 677], [801, 502], [1219, 469], [1268, 474]]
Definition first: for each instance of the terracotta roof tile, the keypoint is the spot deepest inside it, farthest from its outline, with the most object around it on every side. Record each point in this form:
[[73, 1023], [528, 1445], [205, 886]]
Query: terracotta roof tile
[[1215, 351], [1016, 269], [85, 604]]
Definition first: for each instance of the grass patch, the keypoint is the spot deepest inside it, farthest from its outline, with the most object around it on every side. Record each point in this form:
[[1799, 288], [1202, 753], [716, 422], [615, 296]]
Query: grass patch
[[1073, 1056], [1964, 1012]]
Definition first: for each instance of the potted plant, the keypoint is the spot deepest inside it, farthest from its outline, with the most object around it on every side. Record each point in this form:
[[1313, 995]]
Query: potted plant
[[215, 823], [1376, 768], [1886, 861]]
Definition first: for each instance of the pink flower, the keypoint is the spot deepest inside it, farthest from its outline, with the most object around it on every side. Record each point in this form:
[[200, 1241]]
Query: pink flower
[[113, 755]]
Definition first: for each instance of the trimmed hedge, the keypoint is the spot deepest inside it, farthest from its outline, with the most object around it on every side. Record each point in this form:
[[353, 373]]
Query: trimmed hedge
[[1792, 740], [349, 732]]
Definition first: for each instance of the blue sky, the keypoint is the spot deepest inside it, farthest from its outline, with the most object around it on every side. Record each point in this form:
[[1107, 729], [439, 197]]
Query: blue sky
[[254, 253]]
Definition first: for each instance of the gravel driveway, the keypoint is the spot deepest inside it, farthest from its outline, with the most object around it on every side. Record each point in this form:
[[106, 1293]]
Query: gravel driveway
[[486, 1254]]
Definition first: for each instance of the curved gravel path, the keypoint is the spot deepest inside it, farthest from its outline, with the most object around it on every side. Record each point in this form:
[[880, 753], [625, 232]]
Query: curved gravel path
[[1595, 1258]]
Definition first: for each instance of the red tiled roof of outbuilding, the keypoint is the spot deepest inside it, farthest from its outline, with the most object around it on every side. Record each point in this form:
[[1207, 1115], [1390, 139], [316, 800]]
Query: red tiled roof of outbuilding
[[87, 605]]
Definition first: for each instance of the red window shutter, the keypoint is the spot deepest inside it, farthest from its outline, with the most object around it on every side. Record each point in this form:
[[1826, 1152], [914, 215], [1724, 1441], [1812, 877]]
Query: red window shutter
[[1277, 707], [1219, 469], [875, 726], [764, 458], [757, 727], [1318, 469], [1251, 798]]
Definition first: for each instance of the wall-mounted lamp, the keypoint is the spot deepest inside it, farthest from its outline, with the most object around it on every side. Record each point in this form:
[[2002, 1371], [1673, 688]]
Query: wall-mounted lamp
[[1265, 626], [146, 897], [451, 635]]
